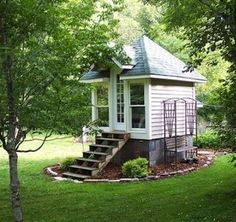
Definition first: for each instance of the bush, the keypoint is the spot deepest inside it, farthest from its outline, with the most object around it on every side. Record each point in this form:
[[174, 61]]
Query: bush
[[135, 168], [233, 159], [66, 163], [209, 139]]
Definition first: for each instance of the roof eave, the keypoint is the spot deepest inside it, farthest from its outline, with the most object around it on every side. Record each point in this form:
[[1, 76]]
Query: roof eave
[[163, 77], [126, 66], [94, 80]]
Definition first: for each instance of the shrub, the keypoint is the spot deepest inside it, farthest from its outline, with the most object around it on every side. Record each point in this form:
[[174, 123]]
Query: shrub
[[209, 139], [233, 159], [66, 163], [135, 168]]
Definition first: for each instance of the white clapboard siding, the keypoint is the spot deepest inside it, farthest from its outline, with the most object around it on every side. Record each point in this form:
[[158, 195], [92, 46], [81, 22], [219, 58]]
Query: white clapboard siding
[[162, 90]]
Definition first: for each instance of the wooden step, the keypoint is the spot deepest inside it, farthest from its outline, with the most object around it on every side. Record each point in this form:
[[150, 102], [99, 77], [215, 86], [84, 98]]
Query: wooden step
[[96, 153], [76, 175], [83, 167], [109, 139], [102, 145], [113, 142], [116, 132], [88, 160]]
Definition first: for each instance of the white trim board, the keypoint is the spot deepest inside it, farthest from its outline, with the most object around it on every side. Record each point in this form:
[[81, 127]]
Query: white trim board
[[95, 80], [161, 77]]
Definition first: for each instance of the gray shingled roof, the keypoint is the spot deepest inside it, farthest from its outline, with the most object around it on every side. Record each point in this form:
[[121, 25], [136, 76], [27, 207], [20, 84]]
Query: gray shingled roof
[[93, 74], [152, 59]]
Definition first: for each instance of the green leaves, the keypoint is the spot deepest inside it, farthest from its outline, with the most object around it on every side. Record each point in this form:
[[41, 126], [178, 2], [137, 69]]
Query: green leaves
[[51, 44], [135, 168]]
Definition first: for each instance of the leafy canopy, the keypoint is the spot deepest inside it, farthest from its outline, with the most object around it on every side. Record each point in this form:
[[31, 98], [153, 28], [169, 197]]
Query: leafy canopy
[[47, 45]]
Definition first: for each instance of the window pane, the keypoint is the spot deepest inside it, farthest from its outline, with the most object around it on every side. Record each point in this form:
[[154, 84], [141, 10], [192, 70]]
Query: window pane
[[137, 94], [102, 96], [138, 117], [103, 116], [120, 100]]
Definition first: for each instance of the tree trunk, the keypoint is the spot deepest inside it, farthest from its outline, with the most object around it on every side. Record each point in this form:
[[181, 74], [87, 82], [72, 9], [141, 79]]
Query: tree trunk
[[10, 146], [15, 186]]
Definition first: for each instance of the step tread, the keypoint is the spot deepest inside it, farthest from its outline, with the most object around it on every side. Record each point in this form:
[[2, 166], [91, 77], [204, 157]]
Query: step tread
[[89, 160], [76, 175], [83, 167], [109, 139], [102, 145], [116, 132], [96, 153]]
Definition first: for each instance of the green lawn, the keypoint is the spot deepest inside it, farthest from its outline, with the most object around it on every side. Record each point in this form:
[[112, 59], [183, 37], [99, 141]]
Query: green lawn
[[206, 195]]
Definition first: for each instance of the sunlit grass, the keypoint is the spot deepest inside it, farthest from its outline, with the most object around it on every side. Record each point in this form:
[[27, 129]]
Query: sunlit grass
[[56, 147], [205, 195]]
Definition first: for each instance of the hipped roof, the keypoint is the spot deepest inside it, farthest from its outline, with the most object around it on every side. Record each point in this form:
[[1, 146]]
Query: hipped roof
[[150, 60]]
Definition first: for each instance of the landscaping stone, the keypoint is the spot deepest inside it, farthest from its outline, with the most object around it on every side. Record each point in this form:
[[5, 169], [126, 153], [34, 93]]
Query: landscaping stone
[[152, 177], [129, 179], [96, 180], [60, 178], [204, 152], [51, 172], [113, 181], [165, 174], [144, 179], [76, 181], [173, 173], [191, 169]]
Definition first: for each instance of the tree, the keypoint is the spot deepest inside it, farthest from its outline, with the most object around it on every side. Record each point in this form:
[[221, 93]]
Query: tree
[[44, 48], [210, 26], [136, 19], [210, 29]]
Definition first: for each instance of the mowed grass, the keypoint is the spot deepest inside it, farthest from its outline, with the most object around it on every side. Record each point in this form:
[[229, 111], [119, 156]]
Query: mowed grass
[[206, 195]]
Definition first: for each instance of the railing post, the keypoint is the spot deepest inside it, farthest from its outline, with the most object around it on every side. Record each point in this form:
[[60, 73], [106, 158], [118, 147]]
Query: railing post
[[165, 151]]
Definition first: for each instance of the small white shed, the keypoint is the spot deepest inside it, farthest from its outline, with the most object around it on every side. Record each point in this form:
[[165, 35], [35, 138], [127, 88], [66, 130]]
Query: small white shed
[[129, 97]]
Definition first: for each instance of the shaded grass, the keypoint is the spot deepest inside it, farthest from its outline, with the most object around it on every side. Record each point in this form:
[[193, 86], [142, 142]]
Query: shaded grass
[[206, 195]]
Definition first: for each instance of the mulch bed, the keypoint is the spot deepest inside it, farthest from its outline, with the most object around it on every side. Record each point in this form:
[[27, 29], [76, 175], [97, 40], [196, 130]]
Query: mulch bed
[[205, 158], [113, 172]]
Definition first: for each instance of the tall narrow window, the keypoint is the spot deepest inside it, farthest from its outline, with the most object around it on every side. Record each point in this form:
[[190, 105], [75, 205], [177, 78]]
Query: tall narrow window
[[120, 100], [102, 108], [137, 105]]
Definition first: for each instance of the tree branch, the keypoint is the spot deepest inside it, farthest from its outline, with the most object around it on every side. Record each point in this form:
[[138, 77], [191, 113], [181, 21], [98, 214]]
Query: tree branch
[[34, 150], [3, 140], [53, 139], [36, 88]]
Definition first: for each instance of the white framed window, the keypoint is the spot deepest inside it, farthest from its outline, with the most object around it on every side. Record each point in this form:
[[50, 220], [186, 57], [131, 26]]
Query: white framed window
[[120, 100], [137, 105], [102, 105]]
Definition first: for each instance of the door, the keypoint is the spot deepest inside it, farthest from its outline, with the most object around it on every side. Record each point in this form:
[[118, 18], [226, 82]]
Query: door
[[119, 104]]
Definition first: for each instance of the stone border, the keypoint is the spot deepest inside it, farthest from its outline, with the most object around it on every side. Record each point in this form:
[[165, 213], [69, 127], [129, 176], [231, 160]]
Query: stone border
[[127, 180], [58, 178]]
